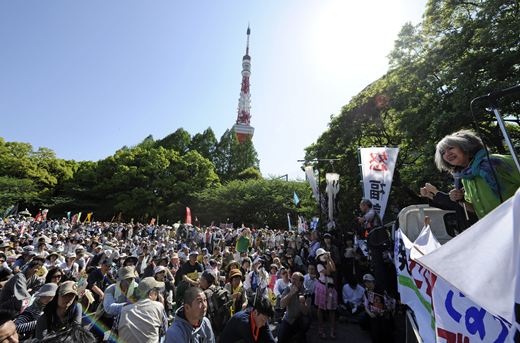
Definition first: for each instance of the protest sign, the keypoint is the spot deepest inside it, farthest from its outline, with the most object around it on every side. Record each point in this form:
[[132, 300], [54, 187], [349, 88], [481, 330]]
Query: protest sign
[[460, 320], [414, 287], [480, 261], [377, 165]]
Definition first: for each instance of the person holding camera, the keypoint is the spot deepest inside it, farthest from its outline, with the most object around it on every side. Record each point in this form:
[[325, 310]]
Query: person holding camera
[[296, 320]]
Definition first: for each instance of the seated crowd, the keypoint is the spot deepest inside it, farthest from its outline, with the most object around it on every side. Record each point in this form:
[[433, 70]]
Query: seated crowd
[[147, 283], [88, 282]]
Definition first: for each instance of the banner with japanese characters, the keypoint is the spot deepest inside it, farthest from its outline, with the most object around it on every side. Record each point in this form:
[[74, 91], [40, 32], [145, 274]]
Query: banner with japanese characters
[[414, 286], [482, 262], [476, 294], [460, 320], [377, 166]]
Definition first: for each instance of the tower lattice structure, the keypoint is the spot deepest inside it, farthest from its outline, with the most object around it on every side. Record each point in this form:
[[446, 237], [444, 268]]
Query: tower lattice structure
[[242, 127]]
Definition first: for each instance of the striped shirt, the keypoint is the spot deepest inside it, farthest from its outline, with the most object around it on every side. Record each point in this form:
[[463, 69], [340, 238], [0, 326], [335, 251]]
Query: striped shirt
[[26, 321]]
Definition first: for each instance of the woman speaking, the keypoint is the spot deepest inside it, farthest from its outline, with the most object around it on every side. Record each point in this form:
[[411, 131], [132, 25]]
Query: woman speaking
[[487, 180]]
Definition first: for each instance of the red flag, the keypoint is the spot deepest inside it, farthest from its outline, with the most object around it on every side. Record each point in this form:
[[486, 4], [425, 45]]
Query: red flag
[[188, 215], [38, 217]]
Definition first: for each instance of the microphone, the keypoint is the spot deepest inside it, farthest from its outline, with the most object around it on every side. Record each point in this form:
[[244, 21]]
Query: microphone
[[457, 182], [498, 94]]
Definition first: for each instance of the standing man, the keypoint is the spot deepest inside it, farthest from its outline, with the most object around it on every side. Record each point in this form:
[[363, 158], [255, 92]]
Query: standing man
[[370, 221], [190, 325], [244, 241], [188, 275], [370, 218]]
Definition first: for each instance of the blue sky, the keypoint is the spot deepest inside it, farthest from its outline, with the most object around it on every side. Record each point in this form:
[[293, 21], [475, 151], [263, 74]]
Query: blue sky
[[85, 78]]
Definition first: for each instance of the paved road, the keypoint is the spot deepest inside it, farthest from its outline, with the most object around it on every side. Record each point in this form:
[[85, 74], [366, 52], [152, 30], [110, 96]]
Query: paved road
[[350, 333]]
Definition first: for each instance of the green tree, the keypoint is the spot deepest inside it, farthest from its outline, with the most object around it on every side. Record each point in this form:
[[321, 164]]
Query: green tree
[[142, 182], [179, 141], [32, 177], [249, 173], [459, 51], [16, 191], [205, 143], [148, 142], [232, 157], [254, 202]]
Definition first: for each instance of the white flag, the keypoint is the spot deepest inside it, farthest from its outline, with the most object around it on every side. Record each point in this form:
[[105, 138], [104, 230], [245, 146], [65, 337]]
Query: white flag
[[424, 244], [309, 173], [483, 261], [377, 165]]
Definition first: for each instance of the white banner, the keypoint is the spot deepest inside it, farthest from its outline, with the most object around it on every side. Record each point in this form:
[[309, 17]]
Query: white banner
[[377, 165], [460, 320], [414, 287], [309, 174], [483, 261]]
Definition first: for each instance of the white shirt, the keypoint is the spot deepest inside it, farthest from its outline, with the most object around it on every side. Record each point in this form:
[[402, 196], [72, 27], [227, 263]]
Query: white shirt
[[280, 286], [354, 296], [309, 283], [324, 278]]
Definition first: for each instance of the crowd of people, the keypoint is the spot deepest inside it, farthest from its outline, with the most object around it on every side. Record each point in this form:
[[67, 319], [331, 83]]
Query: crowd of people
[[126, 282], [151, 283]]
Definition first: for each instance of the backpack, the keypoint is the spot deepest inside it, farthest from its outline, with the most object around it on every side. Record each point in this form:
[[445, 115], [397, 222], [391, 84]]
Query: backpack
[[219, 305]]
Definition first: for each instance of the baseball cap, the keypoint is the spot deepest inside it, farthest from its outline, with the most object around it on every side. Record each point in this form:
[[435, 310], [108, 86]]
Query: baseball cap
[[368, 277], [147, 284], [68, 287], [159, 269], [235, 272]]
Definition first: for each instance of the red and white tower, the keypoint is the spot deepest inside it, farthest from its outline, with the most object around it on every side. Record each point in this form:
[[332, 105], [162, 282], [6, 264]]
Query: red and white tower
[[242, 127]]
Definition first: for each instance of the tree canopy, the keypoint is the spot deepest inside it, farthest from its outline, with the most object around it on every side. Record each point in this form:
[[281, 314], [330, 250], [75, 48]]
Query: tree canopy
[[153, 178], [460, 50]]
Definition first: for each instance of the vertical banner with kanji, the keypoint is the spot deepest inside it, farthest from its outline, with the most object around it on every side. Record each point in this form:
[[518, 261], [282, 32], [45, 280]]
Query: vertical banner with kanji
[[377, 165], [414, 284]]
